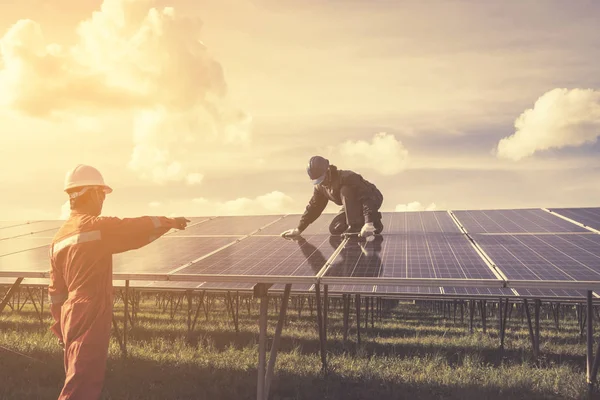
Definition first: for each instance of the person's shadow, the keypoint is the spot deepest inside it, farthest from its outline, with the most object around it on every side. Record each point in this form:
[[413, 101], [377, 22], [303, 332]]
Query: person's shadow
[[358, 258]]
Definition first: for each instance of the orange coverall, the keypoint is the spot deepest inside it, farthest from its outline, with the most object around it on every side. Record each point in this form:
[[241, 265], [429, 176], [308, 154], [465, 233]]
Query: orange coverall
[[81, 292]]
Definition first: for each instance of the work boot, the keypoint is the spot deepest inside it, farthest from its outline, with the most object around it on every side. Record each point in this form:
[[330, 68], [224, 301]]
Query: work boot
[[378, 224]]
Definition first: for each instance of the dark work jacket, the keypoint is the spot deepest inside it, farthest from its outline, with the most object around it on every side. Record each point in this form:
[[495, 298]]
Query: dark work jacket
[[366, 193]]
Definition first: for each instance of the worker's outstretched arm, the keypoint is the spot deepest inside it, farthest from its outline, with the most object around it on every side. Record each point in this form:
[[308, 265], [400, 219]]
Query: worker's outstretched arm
[[314, 209], [120, 235]]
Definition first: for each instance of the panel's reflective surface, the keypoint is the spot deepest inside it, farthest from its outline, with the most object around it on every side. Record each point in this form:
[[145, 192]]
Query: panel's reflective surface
[[544, 257], [467, 291], [167, 254], [270, 255], [240, 225], [349, 289], [419, 222], [319, 227], [35, 260], [449, 256], [588, 216], [549, 293], [19, 244], [30, 228], [514, 221], [395, 289]]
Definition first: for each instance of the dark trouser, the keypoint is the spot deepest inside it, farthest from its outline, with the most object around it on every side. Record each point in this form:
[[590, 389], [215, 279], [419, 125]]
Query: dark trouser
[[351, 213]]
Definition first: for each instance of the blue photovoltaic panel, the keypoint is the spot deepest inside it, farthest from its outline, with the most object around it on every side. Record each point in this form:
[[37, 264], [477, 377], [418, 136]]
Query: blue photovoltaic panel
[[467, 291], [167, 253], [319, 227], [544, 257], [549, 293], [587, 216], [35, 260], [419, 222], [349, 289], [420, 290], [441, 256], [28, 229], [19, 244], [242, 225], [270, 255], [514, 221]]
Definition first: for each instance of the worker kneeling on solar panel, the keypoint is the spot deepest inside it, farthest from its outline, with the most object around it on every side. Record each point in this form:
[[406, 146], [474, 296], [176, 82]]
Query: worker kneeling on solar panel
[[80, 291], [359, 198]]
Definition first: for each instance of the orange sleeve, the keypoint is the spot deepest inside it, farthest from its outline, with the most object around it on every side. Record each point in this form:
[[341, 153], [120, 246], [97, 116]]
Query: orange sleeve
[[57, 294], [120, 235]]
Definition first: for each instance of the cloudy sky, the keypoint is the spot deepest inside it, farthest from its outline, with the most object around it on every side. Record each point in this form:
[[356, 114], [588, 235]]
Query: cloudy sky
[[203, 107]]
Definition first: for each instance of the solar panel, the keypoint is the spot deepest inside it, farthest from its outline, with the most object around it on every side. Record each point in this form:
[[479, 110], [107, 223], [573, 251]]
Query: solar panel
[[173, 285], [514, 221], [446, 256], [120, 284], [549, 293], [319, 227], [28, 229], [233, 286], [167, 253], [565, 257], [16, 245], [7, 224], [35, 260], [269, 256], [587, 216], [349, 289], [242, 225], [467, 291], [419, 222], [395, 289]]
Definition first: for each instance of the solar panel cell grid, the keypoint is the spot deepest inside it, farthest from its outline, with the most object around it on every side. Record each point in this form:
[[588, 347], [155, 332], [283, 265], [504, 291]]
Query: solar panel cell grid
[[419, 222], [587, 216], [514, 221], [319, 227], [349, 289], [394, 289], [242, 225], [545, 257], [269, 256], [449, 256], [467, 291], [167, 253], [549, 293]]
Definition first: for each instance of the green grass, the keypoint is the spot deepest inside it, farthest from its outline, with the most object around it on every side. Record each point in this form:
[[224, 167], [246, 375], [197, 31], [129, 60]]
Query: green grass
[[411, 353]]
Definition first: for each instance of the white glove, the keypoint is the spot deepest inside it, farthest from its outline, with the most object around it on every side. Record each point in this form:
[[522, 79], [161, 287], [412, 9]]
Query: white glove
[[367, 230], [291, 233]]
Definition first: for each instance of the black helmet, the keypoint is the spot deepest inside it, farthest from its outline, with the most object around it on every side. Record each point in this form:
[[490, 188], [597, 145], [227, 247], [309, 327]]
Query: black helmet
[[317, 168]]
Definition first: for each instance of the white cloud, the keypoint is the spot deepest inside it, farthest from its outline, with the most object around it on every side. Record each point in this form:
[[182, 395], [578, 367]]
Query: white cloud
[[146, 62], [274, 202], [415, 206], [194, 178], [154, 204], [384, 154], [559, 118]]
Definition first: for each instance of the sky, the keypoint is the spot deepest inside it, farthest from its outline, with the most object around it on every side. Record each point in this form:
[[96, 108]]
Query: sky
[[213, 107]]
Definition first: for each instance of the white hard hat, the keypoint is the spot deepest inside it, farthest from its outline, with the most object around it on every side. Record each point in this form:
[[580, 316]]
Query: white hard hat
[[84, 175]]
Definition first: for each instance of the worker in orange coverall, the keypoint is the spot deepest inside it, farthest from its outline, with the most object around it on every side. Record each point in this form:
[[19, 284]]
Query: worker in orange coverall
[[80, 291]]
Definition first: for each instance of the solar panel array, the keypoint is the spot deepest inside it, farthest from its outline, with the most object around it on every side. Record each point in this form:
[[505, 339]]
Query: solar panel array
[[587, 216], [530, 245]]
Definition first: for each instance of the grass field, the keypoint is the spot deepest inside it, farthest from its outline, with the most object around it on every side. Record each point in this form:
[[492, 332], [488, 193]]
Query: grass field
[[411, 353]]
